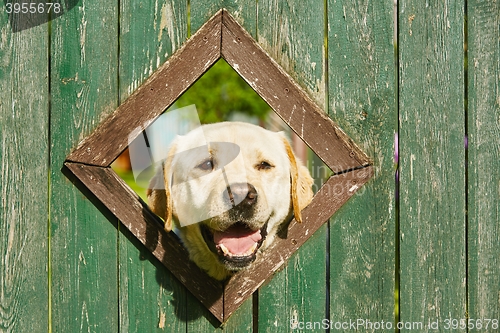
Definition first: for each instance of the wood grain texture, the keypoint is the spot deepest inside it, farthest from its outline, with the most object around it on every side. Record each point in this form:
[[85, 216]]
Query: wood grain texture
[[84, 49], [200, 320], [154, 96], [151, 298], [150, 32], [292, 33], [245, 13], [484, 154], [432, 155], [297, 291], [362, 99], [24, 155]]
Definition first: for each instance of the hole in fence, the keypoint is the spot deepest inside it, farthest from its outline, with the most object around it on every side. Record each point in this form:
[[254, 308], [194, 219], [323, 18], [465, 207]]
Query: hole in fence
[[232, 179], [219, 95], [234, 232]]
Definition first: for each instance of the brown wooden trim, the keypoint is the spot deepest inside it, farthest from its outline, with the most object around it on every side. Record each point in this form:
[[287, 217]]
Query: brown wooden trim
[[331, 196], [221, 35], [153, 97], [288, 99], [135, 215]]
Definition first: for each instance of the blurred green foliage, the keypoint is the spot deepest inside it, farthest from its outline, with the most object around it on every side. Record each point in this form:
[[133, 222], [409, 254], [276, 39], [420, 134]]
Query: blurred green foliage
[[219, 93]]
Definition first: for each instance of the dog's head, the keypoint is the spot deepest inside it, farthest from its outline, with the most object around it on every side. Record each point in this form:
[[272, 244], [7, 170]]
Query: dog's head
[[228, 187]]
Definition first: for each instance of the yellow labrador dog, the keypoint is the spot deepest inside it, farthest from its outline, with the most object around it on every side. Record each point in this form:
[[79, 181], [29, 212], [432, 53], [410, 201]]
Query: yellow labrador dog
[[228, 188]]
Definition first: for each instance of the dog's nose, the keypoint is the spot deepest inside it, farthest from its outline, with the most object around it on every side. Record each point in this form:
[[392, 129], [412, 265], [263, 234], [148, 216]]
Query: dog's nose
[[241, 193]]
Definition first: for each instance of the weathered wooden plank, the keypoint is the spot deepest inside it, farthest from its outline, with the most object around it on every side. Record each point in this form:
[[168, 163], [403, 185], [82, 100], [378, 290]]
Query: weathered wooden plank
[[150, 32], [101, 183], [145, 104], [362, 99], [24, 184], [84, 49], [483, 160], [200, 320], [151, 298], [292, 33], [245, 13], [297, 292], [432, 161]]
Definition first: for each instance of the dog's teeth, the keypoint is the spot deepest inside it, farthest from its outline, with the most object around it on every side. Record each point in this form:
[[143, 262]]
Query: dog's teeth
[[251, 250], [225, 250], [254, 247], [229, 254]]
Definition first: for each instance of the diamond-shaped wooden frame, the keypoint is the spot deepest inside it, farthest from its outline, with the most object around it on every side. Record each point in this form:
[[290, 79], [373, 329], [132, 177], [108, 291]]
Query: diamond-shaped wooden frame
[[221, 36]]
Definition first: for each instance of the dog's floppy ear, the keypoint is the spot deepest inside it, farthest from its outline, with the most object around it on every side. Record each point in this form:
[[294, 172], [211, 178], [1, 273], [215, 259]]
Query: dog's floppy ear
[[301, 183], [159, 198]]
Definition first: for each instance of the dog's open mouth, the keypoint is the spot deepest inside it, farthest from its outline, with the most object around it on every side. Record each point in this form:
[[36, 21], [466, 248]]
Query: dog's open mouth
[[236, 246]]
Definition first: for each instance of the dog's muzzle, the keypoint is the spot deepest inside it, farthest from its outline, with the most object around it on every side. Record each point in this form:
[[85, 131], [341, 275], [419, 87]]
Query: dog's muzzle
[[238, 244]]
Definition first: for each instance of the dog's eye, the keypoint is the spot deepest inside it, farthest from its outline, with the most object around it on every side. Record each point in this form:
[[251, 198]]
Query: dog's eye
[[206, 165], [264, 166]]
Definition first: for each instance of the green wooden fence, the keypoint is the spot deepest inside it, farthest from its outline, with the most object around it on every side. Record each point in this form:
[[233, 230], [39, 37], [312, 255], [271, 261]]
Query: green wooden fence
[[431, 256]]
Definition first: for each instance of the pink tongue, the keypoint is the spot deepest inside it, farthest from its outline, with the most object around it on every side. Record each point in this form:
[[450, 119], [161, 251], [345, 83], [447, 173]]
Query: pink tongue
[[237, 239]]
